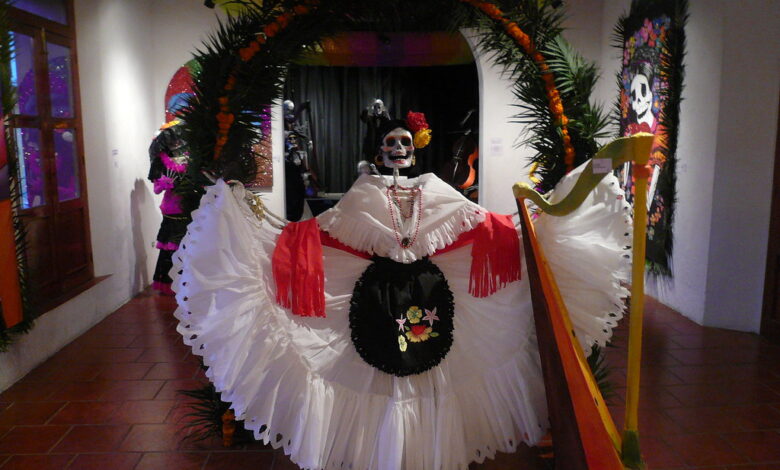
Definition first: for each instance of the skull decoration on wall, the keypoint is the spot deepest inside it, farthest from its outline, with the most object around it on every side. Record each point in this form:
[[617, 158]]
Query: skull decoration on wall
[[397, 149], [641, 99]]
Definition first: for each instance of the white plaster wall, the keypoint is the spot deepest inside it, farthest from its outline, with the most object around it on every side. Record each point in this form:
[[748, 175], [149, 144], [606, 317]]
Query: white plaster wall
[[501, 163], [696, 153], [747, 126]]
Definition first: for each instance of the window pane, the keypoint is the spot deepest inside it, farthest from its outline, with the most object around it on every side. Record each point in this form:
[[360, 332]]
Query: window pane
[[50, 9], [23, 74], [67, 164], [60, 81], [28, 151]]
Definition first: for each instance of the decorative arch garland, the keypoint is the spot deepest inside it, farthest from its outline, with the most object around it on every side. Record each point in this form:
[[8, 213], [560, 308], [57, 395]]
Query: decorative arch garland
[[249, 52]]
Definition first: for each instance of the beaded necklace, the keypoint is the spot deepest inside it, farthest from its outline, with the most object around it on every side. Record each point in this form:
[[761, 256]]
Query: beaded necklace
[[392, 201]]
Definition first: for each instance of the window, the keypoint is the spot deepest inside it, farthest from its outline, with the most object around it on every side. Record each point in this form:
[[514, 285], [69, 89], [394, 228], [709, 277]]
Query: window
[[49, 148]]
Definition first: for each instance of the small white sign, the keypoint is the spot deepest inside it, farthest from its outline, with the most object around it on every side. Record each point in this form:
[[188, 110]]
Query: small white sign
[[602, 165], [496, 147]]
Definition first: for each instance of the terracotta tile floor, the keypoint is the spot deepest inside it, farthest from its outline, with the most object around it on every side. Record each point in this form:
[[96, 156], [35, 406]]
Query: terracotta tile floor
[[710, 400]]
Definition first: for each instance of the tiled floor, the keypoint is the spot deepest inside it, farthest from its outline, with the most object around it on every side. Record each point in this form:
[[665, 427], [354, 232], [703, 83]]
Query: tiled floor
[[710, 400]]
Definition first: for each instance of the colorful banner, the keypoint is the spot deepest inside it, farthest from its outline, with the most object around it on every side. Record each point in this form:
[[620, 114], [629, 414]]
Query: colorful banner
[[10, 294], [650, 87]]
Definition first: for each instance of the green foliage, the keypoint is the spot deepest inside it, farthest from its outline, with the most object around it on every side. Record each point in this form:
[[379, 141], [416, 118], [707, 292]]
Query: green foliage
[[205, 419], [574, 78], [601, 372]]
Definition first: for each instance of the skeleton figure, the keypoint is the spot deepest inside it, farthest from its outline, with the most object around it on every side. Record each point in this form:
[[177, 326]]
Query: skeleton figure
[[397, 148], [378, 109], [374, 115], [642, 93], [288, 109]]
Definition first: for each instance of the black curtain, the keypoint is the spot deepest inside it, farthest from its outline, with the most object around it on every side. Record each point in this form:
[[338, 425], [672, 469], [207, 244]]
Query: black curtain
[[338, 94]]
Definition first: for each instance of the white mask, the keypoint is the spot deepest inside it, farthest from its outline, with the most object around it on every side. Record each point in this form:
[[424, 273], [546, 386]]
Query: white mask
[[398, 148], [641, 98]]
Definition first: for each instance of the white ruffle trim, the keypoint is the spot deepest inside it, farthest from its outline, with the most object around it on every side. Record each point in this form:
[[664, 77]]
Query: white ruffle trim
[[253, 350], [589, 252], [446, 214]]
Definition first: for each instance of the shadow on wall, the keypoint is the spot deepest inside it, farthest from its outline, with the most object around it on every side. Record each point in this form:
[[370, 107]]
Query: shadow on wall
[[138, 197]]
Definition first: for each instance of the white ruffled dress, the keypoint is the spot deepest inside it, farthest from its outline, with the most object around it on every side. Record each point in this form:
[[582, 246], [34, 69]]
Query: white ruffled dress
[[298, 382]]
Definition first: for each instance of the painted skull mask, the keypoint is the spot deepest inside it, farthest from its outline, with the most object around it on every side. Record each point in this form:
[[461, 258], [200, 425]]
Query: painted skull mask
[[397, 148], [641, 97]]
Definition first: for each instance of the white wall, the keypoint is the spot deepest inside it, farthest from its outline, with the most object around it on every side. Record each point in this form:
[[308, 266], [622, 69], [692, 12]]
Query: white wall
[[744, 160], [696, 153], [501, 163]]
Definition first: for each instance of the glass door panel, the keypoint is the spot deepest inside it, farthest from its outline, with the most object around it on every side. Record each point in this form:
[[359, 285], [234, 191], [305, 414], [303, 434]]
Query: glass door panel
[[60, 81], [66, 157], [31, 167], [23, 74]]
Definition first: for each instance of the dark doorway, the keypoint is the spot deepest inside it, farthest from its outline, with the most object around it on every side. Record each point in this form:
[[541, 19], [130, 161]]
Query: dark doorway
[[770, 319]]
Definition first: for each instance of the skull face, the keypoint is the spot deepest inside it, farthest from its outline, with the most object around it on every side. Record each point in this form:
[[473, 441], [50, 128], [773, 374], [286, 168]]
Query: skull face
[[378, 108], [641, 98], [397, 148]]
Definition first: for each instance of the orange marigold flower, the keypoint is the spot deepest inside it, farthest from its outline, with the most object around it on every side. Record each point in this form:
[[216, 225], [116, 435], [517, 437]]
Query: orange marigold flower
[[538, 57], [300, 9], [245, 54], [260, 39], [564, 120], [283, 20], [270, 30], [223, 100], [492, 10]]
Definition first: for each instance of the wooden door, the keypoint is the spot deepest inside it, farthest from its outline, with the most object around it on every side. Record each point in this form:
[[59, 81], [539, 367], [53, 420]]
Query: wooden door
[[770, 319]]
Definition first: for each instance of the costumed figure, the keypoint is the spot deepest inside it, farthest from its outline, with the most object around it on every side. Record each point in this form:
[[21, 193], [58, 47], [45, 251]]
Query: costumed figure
[[300, 175], [169, 160], [394, 330], [374, 116]]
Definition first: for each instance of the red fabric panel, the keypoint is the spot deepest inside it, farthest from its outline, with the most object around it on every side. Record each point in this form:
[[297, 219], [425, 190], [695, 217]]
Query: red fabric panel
[[331, 242], [299, 270], [495, 255]]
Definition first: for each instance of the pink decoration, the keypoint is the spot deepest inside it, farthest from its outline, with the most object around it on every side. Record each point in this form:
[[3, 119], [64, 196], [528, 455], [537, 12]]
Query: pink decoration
[[171, 204], [170, 246], [430, 316], [172, 165], [160, 185]]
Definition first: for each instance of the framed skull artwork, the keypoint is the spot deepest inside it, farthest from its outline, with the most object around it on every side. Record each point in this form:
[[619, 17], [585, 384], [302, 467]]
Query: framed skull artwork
[[652, 39]]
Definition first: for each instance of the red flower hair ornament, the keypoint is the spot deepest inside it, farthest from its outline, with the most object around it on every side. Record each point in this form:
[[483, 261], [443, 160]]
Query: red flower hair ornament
[[419, 126]]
